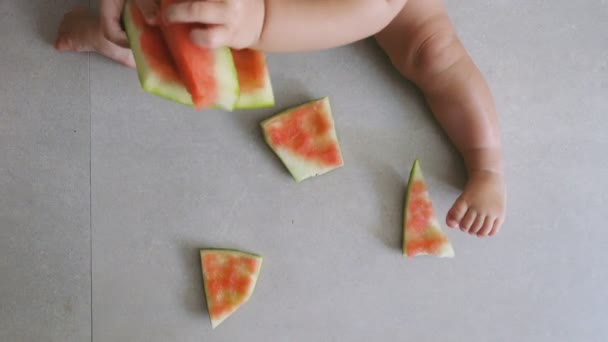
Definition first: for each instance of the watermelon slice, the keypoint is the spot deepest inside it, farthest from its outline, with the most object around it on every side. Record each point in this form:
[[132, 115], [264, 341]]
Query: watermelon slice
[[254, 79], [209, 74], [422, 234], [159, 75], [229, 278], [305, 139], [155, 68]]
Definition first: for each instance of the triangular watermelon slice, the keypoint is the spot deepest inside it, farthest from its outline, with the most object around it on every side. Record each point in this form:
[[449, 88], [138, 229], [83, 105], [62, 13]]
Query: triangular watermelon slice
[[305, 139], [254, 79], [421, 231], [209, 74], [157, 72], [229, 278]]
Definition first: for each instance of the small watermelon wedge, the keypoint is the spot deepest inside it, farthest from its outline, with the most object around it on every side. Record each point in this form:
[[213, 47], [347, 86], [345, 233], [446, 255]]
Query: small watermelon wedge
[[209, 74], [229, 278], [155, 68], [422, 234], [254, 79], [305, 139]]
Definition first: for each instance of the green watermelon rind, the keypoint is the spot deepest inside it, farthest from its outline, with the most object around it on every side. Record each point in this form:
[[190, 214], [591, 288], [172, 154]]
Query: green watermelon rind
[[413, 173], [262, 98], [227, 80], [232, 251], [416, 174], [149, 81], [288, 158], [203, 251]]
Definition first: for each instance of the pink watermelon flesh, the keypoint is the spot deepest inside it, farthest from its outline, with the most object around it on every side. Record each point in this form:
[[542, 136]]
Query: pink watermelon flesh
[[196, 64], [421, 231], [229, 278], [305, 139], [254, 79]]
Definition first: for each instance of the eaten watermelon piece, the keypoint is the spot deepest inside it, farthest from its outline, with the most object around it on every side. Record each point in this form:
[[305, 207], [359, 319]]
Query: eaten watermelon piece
[[155, 68], [229, 278], [305, 139], [209, 74], [254, 79], [422, 234]]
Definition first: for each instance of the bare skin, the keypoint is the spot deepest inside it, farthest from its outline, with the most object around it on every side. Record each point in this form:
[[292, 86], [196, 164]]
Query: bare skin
[[80, 31], [424, 47], [417, 35]]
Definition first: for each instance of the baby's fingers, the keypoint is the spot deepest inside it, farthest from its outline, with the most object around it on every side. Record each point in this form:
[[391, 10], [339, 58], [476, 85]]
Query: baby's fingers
[[205, 12], [113, 32], [211, 37], [109, 17]]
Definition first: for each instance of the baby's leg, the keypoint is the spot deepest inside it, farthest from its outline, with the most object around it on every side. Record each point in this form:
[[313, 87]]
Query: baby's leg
[[423, 45], [80, 31]]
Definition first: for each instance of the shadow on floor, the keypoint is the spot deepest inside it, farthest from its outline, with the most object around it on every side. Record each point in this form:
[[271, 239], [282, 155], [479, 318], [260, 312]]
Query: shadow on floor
[[194, 297]]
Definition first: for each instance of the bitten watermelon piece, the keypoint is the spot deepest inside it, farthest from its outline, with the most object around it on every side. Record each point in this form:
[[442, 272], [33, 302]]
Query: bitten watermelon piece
[[155, 68], [254, 79], [305, 139], [422, 234], [209, 74], [229, 278]]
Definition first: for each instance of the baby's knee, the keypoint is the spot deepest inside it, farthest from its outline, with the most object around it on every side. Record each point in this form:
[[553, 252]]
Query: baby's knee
[[437, 48]]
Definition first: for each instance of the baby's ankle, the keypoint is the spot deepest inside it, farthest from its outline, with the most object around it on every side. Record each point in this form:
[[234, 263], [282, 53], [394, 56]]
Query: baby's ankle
[[485, 159]]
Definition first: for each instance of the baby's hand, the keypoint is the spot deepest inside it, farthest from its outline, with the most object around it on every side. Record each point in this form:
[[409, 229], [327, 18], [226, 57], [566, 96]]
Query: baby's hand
[[480, 210], [109, 18], [233, 23]]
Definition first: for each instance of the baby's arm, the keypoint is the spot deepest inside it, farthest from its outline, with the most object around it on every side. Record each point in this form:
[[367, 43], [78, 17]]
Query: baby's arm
[[304, 25], [284, 25], [423, 45]]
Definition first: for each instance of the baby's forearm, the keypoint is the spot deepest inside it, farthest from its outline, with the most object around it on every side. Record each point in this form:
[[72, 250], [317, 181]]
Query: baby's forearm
[[305, 25], [423, 45]]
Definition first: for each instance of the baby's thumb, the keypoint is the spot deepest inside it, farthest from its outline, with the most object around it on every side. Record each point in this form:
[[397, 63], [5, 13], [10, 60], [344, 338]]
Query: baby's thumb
[[149, 8]]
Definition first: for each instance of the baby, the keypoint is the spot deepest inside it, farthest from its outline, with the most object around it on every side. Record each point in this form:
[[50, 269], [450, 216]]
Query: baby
[[417, 35]]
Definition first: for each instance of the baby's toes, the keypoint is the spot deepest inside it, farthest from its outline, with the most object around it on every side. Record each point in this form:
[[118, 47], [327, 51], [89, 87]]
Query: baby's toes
[[487, 227], [477, 224], [468, 220], [495, 227], [62, 43], [69, 19], [456, 213]]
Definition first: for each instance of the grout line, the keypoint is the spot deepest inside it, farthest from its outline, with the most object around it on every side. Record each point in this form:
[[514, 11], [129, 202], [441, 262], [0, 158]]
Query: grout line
[[91, 187], [91, 192]]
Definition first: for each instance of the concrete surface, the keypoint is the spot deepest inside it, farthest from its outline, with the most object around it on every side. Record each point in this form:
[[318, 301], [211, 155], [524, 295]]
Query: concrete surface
[[107, 193]]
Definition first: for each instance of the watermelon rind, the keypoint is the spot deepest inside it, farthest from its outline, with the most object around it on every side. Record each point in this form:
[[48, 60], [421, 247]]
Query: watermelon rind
[[227, 79], [203, 252], [149, 80], [260, 98], [299, 168], [446, 251]]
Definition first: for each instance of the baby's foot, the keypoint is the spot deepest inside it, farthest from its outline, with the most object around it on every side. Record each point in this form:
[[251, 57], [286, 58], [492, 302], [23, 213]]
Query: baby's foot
[[80, 31], [480, 210]]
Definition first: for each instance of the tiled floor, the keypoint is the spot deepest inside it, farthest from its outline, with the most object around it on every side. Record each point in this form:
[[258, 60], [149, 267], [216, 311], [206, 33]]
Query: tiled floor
[[107, 193]]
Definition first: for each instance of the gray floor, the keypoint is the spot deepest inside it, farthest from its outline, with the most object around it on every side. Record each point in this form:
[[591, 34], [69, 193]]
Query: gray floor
[[106, 194]]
